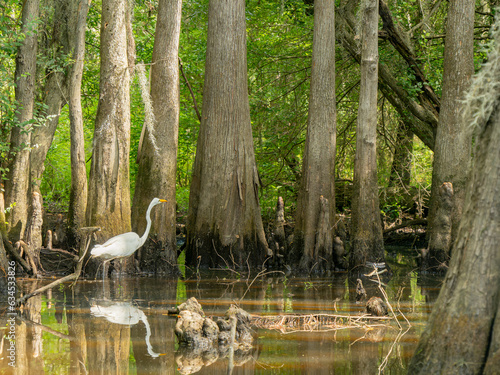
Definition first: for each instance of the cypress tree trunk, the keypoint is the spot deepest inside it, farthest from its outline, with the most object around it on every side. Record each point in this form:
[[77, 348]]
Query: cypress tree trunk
[[421, 117], [108, 203], [17, 185], [366, 230], [318, 169], [463, 332], [224, 223], [55, 90], [78, 195], [158, 148], [453, 143], [402, 159]]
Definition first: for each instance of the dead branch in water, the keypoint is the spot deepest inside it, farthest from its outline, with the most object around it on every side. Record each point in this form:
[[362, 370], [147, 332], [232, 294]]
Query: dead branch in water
[[405, 225], [72, 277], [318, 322], [290, 323]]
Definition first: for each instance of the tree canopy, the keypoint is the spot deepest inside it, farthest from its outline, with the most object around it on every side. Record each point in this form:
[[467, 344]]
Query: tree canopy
[[279, 53]]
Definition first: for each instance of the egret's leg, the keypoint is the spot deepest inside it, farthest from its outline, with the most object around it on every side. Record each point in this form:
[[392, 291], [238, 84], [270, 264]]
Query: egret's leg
[[121, 271], [104, 271], [97, 272]]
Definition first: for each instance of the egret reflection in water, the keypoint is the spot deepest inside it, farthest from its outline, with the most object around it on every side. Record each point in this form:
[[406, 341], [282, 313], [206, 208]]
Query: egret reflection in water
[[123, 313]]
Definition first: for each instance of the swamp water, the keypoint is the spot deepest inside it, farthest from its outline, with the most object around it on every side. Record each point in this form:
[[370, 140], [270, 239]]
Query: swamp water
[[123, 326]]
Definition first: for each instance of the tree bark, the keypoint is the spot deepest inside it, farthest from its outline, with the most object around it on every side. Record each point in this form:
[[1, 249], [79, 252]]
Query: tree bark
[[428, 95], [157, 159], [3, 231], [421, 118], [224, 222], [453, 143], [402, 158], [108, 203], [434, 259], [55, 91], [318, 168], [33, 235], [17, 184], [366, 226], [462, 335], [131, 54], [78, 194], [277, 239]]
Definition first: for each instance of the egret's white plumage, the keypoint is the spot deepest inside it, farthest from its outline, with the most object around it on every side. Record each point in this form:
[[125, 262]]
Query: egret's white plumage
[[125, 244], [126, 314]]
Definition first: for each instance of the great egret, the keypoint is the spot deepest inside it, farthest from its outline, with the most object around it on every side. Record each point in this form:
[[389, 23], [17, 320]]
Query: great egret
[[124, 244], [126, 314]]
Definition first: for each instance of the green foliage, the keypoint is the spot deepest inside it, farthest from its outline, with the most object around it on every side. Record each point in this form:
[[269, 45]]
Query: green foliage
[[279, 49], [308, 285], [136, 124], [181, 295], [10, 40], [144, 28], [416, 294], [90, 79], [192, 52], [279, 59], [182, 199], [57, 352], [56, 182]]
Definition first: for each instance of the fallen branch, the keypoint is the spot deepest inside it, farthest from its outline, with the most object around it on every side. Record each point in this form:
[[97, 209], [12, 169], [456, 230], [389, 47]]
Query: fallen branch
[[406, 224], [47, 329], [382, 290], [195, 104], [317, 322], [61, 251], [74, 276], [64, 279]]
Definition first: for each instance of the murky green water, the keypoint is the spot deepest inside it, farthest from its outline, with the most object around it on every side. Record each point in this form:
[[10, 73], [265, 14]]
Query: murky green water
[[122, 326]]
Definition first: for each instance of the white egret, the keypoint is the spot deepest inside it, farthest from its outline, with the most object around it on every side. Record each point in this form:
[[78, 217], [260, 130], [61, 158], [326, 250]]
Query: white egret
[[126, 314], [124, 244]]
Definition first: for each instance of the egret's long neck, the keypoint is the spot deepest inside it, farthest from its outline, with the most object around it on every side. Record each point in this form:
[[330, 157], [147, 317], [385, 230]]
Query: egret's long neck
[[148, 335], [148, 226]]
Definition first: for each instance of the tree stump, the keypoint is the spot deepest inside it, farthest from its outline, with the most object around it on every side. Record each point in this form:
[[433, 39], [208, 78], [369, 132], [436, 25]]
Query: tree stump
[[376, 306], [195, 330]]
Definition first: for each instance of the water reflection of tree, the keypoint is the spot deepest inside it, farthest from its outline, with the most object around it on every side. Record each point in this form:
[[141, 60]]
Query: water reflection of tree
[[97, 345], [78, 348], [136, 339], [28, 341], [108, 347]]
